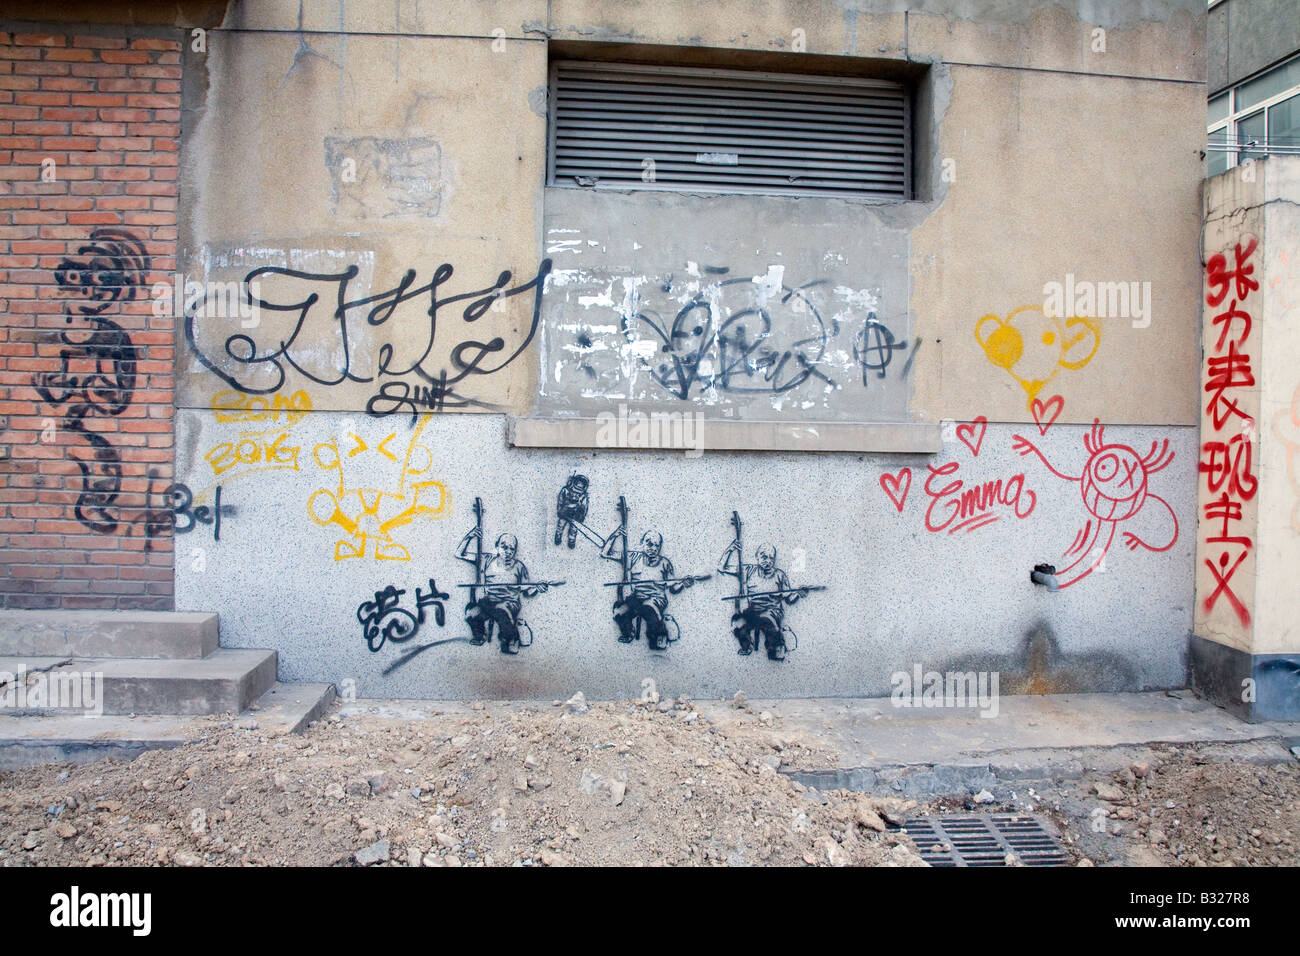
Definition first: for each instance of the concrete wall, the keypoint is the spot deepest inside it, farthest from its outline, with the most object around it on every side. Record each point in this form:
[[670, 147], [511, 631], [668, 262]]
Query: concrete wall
[[386, 163], [910, 573], [1247, 651], [1245, 36]]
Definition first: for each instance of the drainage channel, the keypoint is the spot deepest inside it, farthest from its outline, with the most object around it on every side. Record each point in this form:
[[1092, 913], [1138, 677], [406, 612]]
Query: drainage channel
[[985, 840]]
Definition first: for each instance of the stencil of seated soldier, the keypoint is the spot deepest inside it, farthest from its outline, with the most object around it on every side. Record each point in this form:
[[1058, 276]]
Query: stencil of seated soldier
[[767, 590], [498, 600], [649, 580]]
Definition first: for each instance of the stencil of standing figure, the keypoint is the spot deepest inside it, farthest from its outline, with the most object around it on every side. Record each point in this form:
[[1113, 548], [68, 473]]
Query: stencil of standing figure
[[571, 509]]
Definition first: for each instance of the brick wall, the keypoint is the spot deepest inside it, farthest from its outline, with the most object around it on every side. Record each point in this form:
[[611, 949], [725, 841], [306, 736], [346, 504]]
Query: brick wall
[[89, 140]]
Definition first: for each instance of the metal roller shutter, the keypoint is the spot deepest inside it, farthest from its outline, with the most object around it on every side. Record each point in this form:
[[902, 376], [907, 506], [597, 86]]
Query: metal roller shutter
[[628, 126]]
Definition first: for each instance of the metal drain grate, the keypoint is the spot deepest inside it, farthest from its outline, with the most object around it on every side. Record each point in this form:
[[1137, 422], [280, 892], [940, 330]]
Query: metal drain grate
[[985, 840]]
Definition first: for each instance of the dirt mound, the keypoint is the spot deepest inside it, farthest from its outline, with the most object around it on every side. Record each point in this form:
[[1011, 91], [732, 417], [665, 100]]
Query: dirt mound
[[644, 783]]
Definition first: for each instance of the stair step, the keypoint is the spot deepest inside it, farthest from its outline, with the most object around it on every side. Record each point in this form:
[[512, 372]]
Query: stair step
[[135, 634], [226, 681], [25, 741], [293, 706]]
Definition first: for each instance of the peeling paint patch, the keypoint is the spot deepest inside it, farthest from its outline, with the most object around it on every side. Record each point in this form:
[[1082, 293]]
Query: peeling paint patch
[[537, 100], [376, 178]]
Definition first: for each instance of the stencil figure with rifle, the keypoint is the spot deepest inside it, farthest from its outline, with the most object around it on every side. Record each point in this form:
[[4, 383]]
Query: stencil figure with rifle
[[500, 583], [764, 590], [648, 578]]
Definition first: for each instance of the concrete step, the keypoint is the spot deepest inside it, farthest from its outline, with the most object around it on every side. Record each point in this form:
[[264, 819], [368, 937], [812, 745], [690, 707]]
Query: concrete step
[[163, 634], [226, 681], [30, 740], [289, 708]]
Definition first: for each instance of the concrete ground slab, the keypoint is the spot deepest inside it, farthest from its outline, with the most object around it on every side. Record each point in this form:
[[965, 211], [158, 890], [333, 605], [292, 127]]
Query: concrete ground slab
[[925, 752], [871, 732]]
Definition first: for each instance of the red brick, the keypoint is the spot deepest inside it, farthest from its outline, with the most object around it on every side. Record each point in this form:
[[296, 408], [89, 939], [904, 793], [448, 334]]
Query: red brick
[[40, 128], [19, 53], [38, 218], [156, 72], [150, 189], [98, 99], [37, 68], [94, 218], [125, 173], [120, 115], [99, 129], [96, 189], [100, 43], [154, 43], [124, 56], [168, 130], [64, 202], [125, 142], [82, 56], [39, 39], [124, 202], [131, 86], [47, 99], [99, 69], [162, 161], [68, 142], [70, 84], [71, 113], [152, 102]]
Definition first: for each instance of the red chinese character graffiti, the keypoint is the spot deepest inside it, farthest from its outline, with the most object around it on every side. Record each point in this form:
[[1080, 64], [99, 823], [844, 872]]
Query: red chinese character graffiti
[[1225, 319], [1221, 586], [1219, 277], [1225, 509], [1230, 461], [1225, 372]]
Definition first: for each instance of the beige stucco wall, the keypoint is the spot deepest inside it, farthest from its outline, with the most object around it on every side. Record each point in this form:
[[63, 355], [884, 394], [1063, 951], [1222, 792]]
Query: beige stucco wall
[[267, 186], [1052, 157]]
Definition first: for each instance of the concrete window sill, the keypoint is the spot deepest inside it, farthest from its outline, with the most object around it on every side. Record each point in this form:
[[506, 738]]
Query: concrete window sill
[[726, 435]]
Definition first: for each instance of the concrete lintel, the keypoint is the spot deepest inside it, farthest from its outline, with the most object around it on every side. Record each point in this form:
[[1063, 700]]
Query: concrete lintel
[[724, 435]]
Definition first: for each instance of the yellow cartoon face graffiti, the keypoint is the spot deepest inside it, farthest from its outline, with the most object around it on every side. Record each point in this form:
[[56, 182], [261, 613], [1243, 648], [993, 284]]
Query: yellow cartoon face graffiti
[[400, 491], [1033, 346]]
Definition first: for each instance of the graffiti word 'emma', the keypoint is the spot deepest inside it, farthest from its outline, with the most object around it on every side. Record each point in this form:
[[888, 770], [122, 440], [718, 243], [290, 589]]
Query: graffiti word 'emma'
[[958, 506]]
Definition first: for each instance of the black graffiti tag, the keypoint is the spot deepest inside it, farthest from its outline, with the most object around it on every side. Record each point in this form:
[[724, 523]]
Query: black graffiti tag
[[97, 366], [327, 313], [383, 619]]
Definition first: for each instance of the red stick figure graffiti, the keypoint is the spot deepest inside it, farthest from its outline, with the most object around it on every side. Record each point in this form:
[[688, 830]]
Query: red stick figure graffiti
[[1114, 488]]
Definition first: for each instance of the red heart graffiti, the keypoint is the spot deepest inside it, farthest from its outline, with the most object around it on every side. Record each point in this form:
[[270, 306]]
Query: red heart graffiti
[[975, 429], [896, 486], [1056, 404]]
